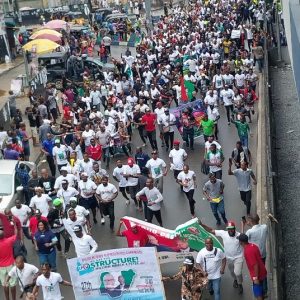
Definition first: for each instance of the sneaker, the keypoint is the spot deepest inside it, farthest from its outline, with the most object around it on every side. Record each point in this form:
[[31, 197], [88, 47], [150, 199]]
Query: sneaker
[[66, 255], [102, 221], [127, 202], [241, 290], [193, 216], [228, 123], [146, 220], [218, 223], [235, 284], [95, 221]]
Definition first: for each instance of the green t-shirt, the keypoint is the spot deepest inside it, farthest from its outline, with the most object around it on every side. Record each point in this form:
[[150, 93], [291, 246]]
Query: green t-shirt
[[242, 128], [208, 127]]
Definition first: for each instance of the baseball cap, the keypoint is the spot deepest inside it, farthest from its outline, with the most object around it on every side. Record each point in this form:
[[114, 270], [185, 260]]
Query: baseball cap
[[37, 212], [57, 202], [243, 237], [77, 228], [57, 141], [188, 261], [64, 181], [230, 225], [84, 174], [176, 142], [73, 199], [64, 168]]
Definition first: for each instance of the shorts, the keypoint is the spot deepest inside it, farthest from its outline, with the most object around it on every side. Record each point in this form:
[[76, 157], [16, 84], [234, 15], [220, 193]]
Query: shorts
[[88, 203], [258, 289], [3, 274]]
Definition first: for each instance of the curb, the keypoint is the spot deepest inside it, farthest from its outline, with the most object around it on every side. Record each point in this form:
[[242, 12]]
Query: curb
[[13, 67]]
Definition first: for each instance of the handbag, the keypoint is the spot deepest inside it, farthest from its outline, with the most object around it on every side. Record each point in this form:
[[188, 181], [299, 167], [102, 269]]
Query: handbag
[[27, 288]]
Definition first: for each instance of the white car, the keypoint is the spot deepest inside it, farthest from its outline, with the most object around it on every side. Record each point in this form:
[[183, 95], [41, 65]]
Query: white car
[[9, 182]]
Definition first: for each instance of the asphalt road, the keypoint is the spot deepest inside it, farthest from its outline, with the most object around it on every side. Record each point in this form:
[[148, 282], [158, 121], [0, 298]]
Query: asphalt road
[[175, 210]]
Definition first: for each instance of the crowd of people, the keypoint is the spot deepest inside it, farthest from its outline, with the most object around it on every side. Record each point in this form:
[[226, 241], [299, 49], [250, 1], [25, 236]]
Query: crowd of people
[[213, 48]]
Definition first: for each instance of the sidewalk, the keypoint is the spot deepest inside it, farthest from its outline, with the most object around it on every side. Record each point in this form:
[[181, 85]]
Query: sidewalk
[[4, 68]]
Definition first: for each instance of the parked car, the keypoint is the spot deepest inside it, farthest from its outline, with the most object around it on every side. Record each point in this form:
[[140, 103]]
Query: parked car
[[10, 186], [57, 66]]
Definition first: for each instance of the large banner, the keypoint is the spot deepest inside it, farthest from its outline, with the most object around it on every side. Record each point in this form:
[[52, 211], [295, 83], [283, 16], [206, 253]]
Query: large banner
[[129, 273], [174, 245], [198, 109]]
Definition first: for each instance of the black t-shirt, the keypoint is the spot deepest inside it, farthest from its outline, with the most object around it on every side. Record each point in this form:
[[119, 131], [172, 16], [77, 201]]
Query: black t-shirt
[[47, 184]]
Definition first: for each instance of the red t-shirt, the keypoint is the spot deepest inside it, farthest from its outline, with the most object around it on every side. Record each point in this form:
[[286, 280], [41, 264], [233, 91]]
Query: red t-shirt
[[33, 224], [9, 229], [253, 257], [138, 239], [94, 152], [150, 121], [7, 256]]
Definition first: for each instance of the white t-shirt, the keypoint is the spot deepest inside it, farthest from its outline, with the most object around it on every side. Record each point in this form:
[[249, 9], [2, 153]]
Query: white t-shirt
[[81, 212], [69, 225], [26, 275], [211, 262], [85, 245], [187, 179], [218, 81], [208, 144], [50, 286], [70, 178], [41, 203], [21, 213], [86, 187], [227, 96], [232, 246], [135, 170], [178, 157], [106, 192], [240, 79], [156, 166], [118, 173], [166, 121], [60, 154], [87, 135], [67, 194]]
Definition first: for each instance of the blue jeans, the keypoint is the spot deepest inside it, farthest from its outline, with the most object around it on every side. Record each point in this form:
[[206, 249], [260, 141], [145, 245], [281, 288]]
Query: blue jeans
[[218, 208], [244, 140], [215, 285], [49, 258]]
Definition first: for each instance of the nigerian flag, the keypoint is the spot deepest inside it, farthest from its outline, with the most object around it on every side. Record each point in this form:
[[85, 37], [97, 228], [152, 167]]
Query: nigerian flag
[[190, 87]]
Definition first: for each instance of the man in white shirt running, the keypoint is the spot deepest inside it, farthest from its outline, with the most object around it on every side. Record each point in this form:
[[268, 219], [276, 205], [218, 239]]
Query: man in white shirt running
[[158, 169], [25, 274], [212, 262], [84, 243], [187, 179], [22, 212], [233, 252], [177, 158], [106, 194], [49, 281]]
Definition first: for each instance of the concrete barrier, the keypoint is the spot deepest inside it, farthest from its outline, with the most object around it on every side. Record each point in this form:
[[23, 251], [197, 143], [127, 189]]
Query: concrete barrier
[[265, 192]]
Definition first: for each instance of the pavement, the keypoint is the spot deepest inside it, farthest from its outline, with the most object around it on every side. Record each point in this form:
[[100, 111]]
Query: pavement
[[175, 210]]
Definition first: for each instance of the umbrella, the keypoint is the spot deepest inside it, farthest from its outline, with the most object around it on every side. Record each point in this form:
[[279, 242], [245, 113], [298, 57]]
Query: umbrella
[[56, 24], [40, 46], [45, 31], [46, 36]]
